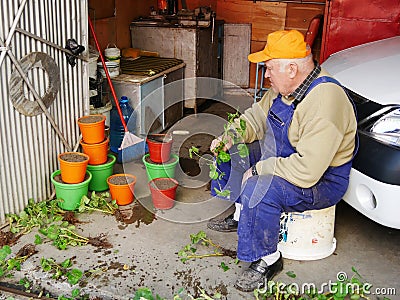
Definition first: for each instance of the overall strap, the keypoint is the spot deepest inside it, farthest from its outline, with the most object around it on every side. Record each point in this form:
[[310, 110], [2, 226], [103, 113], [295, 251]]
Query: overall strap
[[313, 84], [324, 79]]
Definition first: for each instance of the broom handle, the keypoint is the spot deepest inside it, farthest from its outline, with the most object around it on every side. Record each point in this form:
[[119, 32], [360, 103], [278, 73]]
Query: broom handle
[[108, 76]]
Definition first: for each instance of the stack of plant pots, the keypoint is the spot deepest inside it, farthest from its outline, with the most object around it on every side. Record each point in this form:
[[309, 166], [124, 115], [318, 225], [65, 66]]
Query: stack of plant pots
[[72, 179], [94, 143], [92, 169], [160, 167]]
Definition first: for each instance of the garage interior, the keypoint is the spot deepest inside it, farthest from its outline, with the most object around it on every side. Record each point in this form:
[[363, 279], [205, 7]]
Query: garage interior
[[202, 39]]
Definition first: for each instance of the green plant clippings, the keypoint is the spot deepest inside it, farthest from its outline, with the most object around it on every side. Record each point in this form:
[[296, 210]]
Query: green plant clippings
[[224, 266], [291, 274]]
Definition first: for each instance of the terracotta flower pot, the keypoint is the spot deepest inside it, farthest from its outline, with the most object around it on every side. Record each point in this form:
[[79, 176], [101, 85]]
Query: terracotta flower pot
[[73, 166], [159, 147], [97, 152], [92, 128], [121, 188], [163, 191]]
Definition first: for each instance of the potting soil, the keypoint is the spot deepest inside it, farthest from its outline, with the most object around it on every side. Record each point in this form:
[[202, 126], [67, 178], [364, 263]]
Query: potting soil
[[91, 119], [121, 180], [72, 157], [163, 184]]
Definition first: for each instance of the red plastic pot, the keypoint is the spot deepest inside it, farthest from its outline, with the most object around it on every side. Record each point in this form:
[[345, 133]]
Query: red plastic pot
[[163, 192], [159, 147]]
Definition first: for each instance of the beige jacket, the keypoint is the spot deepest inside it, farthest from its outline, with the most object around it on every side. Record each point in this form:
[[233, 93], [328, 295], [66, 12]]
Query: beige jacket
[[322, 131]]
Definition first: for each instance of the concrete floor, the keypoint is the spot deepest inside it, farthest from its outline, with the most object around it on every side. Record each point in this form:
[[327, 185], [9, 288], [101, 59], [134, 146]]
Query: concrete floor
[[146, 243]]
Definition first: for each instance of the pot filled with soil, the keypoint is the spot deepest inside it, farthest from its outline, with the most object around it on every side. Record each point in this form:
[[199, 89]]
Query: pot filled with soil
[[163, 192], [97, 152], [70, 194], [92, 128], [100, 173], [73, 166], [160, 170], [121, 188], [159, 147]]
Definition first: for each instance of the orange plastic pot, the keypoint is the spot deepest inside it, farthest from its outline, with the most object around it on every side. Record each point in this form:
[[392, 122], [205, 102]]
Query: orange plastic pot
[[121, 188], [97, 152], [163, 192], [73, 166], [159, 147], [92, 128]]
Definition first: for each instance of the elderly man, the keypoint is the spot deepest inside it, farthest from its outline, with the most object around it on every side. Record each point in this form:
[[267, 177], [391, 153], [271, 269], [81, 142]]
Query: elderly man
[[302, 138]]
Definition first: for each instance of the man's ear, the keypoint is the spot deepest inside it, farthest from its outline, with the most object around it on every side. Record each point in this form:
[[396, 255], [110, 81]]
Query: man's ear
[[293, 68]]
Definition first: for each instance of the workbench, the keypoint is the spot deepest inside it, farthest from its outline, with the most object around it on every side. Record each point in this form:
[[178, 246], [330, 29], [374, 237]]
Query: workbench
[[157, 99]]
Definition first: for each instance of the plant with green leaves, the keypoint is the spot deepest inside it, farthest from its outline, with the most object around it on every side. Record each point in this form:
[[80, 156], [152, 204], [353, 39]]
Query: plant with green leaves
[[63, 235], [35, 214], [229, 136], [98, 202], [63, 270], [8, 264], [189, 251]]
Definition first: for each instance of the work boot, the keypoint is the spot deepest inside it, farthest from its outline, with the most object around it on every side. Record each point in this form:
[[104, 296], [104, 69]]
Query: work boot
[[258, 274], [223, 225]]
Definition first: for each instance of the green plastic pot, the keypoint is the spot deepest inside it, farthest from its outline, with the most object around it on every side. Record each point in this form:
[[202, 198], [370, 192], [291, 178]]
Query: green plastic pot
[[155, 170], [70, 193], [100, 173]]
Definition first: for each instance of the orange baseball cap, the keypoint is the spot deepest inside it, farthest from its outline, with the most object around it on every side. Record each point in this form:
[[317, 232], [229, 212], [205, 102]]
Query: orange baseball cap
[[282, 44]]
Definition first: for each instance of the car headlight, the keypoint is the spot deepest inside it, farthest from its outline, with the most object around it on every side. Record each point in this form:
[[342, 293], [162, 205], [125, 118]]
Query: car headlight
[[387, 128]]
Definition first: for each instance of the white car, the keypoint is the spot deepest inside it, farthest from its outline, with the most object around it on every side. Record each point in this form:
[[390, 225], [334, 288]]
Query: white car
[[371, 74]]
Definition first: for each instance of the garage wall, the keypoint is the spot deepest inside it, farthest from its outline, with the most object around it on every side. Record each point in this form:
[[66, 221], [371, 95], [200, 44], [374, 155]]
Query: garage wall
[[29, 145]]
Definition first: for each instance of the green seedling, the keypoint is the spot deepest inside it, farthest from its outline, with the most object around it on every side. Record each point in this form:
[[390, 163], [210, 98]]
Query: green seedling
[[9, 264], [63, 235], [189, 251], [35, 214], [101, 203], [62, 270], [224, 267], [236, 136]]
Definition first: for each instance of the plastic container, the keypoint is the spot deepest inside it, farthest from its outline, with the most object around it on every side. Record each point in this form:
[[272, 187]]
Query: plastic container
[[163, 197], [71, 194], [100, 173], [112, 53], [123, 194], [112, 68], [155, 170], [308, 235], [97, 152], [116, 129]]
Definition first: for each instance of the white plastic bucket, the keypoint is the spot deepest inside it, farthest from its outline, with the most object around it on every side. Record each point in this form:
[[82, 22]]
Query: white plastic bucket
[[112, 53], [308, 235], [112, 67], [104, 110]]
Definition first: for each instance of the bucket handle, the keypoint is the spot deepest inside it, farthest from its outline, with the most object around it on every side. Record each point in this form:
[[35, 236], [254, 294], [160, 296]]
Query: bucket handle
[[115, 46]]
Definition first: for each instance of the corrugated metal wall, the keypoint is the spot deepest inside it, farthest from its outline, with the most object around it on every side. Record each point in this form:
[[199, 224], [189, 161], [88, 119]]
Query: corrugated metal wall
[[29, 145]]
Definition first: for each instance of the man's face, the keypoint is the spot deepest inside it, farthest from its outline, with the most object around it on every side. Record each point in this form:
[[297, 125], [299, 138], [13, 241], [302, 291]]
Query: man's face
[[278, 77]]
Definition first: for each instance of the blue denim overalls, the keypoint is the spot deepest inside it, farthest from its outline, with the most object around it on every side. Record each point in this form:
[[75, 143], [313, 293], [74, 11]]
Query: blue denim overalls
[[265, 197]]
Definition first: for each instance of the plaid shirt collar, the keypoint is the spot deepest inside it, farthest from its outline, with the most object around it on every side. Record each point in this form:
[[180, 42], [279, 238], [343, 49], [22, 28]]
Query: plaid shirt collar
[[298, 94]]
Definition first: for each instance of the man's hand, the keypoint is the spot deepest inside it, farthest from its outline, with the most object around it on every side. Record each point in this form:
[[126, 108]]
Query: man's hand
[[246, 175], [216, 143]]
